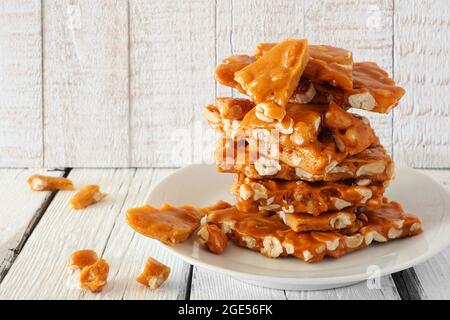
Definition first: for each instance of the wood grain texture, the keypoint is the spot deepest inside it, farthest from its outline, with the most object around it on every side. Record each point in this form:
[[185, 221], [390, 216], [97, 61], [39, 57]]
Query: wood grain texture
[[365, 28], [360, 291], [20, 83], [41, 272], [172, 65], [422, 53], [216, 286], [128, 251], [20, 206], [86, 83]]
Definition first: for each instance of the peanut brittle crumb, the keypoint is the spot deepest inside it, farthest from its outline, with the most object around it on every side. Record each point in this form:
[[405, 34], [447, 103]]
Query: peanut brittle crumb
[[45, 183], [94, 277], [154, 274], [82, 258], [87, 196]]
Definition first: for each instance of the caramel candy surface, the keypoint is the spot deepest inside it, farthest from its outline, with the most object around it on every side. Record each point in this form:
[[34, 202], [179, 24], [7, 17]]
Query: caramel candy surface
[[373, 90], [328, 221], [94, 277], [87, 196], [212, 237], [303, 197], [82, 258], [374, 163], [274, 77], [229, 66], [326, 63], [154, 274], [45, 183], [170, 225], [312, 137]]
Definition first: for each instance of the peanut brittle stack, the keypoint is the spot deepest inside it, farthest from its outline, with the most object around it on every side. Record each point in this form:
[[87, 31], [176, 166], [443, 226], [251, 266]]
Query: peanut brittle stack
[[310, 174]]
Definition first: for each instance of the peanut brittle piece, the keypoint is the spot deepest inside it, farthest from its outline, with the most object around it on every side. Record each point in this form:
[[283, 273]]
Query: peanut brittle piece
[[229, 66], [313, 138], [212, 237], [351, 133], [82, 258], [94, 277], [326, 63], [225, 116], [304, 197], [271, 80], [235, 157], [272, 238], [304, 93], [233, 108], [328, 221], [45, 183], [170, 225], [373, 90], [154, 274], [87, 196]]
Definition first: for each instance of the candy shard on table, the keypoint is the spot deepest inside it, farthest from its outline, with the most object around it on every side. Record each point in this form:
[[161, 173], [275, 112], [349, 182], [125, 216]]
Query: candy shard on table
[[39, 182], [169, 224]]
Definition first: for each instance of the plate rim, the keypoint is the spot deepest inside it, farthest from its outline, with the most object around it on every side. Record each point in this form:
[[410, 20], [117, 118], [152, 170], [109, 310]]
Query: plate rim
[[334, 280]]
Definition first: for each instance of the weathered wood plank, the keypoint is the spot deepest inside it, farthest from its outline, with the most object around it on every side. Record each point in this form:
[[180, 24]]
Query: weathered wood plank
[[40, 271], [256, 21], [422, 52], [20, 83], [216, 286], [360, 291], [127, 251], [86, 83], [21, 209], [365, 28], [172, 62]]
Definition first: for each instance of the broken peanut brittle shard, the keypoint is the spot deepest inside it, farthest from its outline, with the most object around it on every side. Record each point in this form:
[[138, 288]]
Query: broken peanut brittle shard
[[170, 225], [228, 67], [95, 276], [45, 183], [305, 197], [154, 274], [326, 63], [275, 76], [87, 196]]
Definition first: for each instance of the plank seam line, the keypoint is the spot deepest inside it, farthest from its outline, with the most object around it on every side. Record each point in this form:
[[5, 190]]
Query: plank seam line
[[119, 213], [408, 285], [30, 229], [42, 87], [189, 283], [130, 139]]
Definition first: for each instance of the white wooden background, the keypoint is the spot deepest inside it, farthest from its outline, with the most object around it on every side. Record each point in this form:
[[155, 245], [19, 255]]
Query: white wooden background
[[121, 83]]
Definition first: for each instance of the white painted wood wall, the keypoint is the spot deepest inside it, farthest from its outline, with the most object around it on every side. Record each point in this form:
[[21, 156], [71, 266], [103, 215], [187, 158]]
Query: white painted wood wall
[[121, 83]]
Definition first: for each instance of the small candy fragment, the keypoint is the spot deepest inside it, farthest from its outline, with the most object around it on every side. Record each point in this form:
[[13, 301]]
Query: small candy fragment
[[94, 277], [154, 274], [82, 258], [88, 195], [45, 183]]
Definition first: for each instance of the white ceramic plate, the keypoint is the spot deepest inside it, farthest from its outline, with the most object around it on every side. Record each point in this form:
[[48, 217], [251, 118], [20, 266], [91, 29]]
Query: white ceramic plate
[[201, 185]]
